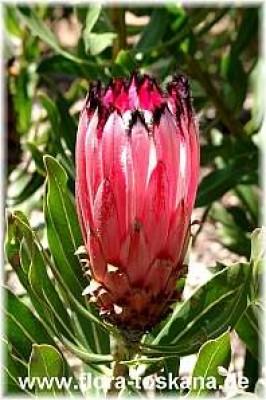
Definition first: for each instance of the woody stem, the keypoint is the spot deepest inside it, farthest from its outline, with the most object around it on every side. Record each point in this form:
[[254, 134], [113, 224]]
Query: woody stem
[[118, 21]]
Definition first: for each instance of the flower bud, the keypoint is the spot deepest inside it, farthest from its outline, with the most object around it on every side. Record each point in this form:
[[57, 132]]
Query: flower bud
[[137, 161]]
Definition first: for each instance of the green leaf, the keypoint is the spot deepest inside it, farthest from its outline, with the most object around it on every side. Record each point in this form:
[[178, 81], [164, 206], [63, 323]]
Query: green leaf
[[34, 182], [212, 355], [63, 226], [217, 183], [231, 234], [64, 239], [154, 30], [11, 21], [95, 43], [46, 362], [37, 156], [57, 64], [236, 81], [257, 250], [14, 367], [85, 356], [171, 367], [38, 284], [68, 125], [249, 198], [124, 64], [22, 99], [63, 127], [23, 327], [54, 119], [252, 370], [247, 30], [40, 29], [92, 16], [256, 260], [248, 330], [209, 312]]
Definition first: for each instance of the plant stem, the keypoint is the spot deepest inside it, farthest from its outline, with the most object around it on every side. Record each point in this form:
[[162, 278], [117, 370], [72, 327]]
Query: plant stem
[[118, 21], [123, 351]]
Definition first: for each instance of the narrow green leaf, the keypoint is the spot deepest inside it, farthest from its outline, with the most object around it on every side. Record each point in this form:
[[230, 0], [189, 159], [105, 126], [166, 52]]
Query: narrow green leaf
[[54, 118], [217, 183], [11, 20], [92, 16], [236, 81], [40, 29], [230, 233], [14, 368], [65, 222], [37, 156], [171, 367], [257, 250], [57, 64], [46, 362], [23, 327], [85, 355], [248, 330], [64, 239], [209, 312], [68, 125], [247, 30], [154, 30], [23, 100], [252, 370], [250, 200], [34, 182], [39, 286], [212, 355], [256, 258]]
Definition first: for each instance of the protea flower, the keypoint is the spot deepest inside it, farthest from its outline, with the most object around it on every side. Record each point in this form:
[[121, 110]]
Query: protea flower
[[137, 159]]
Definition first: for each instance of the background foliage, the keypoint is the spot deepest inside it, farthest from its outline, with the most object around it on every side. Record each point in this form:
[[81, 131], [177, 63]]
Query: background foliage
[[47, 77]]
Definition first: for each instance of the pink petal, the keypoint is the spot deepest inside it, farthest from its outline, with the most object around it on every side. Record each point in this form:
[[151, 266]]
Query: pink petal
[[140, 145], [124, 252], [82, 222], [158, 276], [156, 210], [106, 222], [81, 182], [170, 285], [93, 159], [191, 155], [183, 173], [195, 163], [177, 233], [138, 260], [185, 167], [108, 98], [97, 261], [133, 94], [114, 147], [167, 139], [149, 94]]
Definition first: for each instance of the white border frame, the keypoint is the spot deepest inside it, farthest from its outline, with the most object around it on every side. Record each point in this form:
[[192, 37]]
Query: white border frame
[[194, 3]]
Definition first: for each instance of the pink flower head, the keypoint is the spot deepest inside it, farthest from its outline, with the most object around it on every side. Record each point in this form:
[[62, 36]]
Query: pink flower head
[[137, 157]]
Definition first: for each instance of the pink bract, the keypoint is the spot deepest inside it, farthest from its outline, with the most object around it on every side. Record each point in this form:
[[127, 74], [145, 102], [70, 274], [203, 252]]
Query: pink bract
[[137, 162]]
